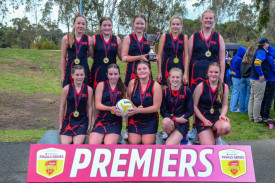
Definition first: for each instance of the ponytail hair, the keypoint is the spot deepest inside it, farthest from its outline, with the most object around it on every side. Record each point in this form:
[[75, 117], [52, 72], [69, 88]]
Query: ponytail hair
[[71, 35], [220, 83], [120, 84]]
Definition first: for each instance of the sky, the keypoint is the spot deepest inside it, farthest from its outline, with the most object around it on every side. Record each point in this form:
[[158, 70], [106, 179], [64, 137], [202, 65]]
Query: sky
[[20, 13]]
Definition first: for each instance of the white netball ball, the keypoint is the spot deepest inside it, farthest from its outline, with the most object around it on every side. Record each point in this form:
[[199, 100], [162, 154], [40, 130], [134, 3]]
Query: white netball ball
[[124, 105]]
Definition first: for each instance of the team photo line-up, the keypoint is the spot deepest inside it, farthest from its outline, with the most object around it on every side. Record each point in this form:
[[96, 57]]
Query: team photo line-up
[[189, 84]]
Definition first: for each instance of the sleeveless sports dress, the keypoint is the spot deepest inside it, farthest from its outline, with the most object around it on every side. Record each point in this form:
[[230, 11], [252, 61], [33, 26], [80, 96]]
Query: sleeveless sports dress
[[83, 46], [199, 61], [170, 59], [106, 122], [143, 123], [102, 49], [135, 48], [72, 125]]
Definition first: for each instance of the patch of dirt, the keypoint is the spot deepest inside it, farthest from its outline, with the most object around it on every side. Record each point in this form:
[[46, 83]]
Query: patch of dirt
[[29, 111]]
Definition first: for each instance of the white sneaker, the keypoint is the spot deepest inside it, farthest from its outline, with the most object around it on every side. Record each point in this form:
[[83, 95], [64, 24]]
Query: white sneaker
[[218, 141], [191, 133], [126, 134], [164, 135]]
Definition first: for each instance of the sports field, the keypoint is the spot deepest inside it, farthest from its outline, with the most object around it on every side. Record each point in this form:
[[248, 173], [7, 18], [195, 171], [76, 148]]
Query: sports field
[[30, 92]]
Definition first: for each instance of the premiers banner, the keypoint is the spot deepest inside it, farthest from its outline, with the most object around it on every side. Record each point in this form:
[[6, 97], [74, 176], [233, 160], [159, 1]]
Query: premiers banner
[[142, 163]]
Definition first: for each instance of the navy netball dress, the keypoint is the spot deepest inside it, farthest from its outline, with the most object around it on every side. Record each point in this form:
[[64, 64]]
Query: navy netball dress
[[200, 59], [135, 48], [72, 125], [143, 123], [210, 110], [104, 54], [82, 45], [172, 55], [106, 122], [176, 103]]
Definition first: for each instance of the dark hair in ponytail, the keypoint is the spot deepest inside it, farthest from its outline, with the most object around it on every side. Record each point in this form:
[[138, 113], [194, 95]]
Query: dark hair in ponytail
[[220, 83], [120, 84]]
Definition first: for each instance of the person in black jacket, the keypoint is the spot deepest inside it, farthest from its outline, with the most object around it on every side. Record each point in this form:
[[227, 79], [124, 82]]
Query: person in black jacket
[[245, 80]]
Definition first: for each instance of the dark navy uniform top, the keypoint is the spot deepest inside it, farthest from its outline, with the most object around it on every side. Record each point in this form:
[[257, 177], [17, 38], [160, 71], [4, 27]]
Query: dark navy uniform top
[[199, 47], [134, 50], [199, 61], [72, 125], [183, 101], [99, 68], [169, 54], [205, 100], [71, 56], [260, 64], [107, 116], [143, 123], [82, 106]]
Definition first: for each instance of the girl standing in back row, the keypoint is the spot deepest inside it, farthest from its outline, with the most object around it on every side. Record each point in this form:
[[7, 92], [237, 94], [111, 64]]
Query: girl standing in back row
[[172, 52], [74, 50], [135, 48], [105, 48]]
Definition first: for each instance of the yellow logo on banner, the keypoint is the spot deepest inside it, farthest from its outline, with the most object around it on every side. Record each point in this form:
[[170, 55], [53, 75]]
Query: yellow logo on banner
[[233, 162], [50, 162]]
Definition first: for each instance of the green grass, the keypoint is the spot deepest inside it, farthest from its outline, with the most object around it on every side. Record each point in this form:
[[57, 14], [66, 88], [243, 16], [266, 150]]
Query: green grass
[[11, 135], [37, 71]]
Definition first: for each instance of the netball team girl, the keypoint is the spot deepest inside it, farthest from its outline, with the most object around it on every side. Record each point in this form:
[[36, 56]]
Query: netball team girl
[[146, 96], [135, 48], [176, 108], [74, 50], [205, 47], [172, 52], [105, 48], [77, 100], [109, 121], [209, 97]]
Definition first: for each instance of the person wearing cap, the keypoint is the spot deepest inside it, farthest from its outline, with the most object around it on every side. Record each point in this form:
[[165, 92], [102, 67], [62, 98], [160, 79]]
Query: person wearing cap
[[259, 74]]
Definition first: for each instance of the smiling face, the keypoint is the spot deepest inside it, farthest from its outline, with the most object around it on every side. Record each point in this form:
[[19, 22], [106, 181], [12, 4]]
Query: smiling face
[[208, 20], [106, 27], [139, 25], [175, 78], [175, 25], [213, 73], [143, 71], [78, 76], [113, 75], [80, 24]]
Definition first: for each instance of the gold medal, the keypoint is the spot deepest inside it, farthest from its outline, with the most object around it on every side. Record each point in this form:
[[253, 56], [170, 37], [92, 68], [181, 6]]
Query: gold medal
[[176, 60], [211, 110], [106, 60], [140, 106], [76, 61], [76, 114], [112, 112], [208, 53]]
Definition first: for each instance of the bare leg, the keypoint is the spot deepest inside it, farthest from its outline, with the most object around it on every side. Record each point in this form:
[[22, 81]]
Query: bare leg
[[65, 139], [207, 137], [175, 138], [134, 138], [96, 138], [79, 139], [148, 139], [111, 138]]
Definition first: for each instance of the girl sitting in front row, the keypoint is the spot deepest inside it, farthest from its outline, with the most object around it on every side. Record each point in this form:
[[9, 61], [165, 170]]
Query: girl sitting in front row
[[176, 108], [209, 97]]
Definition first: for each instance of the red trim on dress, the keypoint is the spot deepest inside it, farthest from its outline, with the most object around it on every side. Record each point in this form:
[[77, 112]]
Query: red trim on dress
[[78, 41]]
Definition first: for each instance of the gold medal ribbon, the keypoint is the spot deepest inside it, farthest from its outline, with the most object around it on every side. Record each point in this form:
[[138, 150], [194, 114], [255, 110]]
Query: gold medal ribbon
[[76, 102], [106, 47]]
